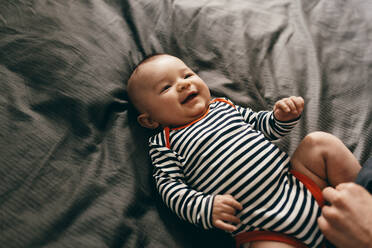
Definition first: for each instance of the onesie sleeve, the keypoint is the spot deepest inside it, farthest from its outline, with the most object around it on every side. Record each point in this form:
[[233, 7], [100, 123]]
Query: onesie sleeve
[[265, 122], [190, 205]]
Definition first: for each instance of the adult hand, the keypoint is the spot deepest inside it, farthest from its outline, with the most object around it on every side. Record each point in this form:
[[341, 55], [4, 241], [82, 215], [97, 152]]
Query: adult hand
[[289, 108], [224, 210], [347, 222]]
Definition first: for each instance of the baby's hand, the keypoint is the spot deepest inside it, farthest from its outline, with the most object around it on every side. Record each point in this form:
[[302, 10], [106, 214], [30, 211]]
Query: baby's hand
[[224, 210], [289, 108]]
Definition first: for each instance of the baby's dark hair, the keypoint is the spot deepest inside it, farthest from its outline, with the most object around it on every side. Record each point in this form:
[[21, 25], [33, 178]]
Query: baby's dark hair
[[146, 59], [131, 108], [133, 112]]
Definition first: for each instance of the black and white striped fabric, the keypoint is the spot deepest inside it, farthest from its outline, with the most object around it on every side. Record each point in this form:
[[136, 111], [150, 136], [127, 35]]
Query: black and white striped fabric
[[228, 151]]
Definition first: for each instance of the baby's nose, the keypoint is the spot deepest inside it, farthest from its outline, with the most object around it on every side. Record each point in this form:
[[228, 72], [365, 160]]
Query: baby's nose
[[183, 85]]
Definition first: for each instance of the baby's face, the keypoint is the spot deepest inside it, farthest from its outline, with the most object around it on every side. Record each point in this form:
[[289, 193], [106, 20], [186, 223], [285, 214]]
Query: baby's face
[[169, 92]]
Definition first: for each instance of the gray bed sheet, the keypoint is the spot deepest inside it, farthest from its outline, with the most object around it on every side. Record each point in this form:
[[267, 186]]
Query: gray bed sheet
[[74, 170]]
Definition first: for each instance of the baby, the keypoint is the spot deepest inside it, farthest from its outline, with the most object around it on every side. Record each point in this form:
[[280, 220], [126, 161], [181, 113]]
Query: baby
[[216, 167]]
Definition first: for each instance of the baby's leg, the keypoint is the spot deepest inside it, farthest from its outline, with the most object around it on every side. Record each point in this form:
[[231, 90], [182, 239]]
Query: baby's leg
[[325, 159], [269, 244]]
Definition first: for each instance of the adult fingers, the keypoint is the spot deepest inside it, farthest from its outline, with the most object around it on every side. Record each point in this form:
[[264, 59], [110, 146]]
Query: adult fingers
[[327, 229], [349, 186], [324, 225], [330, 195], [340, 195], [332, 215]]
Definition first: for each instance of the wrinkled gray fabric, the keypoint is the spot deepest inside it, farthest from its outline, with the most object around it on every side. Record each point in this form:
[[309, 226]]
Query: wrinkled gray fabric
[[74, 167]]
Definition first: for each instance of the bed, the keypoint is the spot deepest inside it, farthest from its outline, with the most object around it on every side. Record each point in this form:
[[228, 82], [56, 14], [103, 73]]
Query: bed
[[74, 167]]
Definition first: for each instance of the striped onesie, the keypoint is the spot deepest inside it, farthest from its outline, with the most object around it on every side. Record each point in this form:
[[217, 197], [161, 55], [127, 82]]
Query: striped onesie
[[228, 151]]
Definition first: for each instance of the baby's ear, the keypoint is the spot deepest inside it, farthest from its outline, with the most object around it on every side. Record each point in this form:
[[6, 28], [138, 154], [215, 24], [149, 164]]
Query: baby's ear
[[146, 121]]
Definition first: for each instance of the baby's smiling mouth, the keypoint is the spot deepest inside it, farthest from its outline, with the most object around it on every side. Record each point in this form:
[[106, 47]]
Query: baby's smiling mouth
[[191, 96]]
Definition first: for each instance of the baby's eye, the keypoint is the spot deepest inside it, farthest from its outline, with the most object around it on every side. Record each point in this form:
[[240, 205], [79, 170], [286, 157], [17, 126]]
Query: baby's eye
[[166, 87], [188, 75]]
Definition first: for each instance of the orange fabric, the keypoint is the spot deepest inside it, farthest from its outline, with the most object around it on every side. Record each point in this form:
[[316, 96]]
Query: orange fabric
[[247, 237], [223, 100], [166, 130], [311, 186]]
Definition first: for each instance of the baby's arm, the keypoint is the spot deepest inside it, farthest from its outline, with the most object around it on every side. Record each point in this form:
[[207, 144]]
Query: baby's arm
[[277, 123], [189, 204], [224, 210]]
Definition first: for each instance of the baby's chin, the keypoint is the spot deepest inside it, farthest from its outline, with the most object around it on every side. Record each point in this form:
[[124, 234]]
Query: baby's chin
[[193, 116], [200, 109]]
